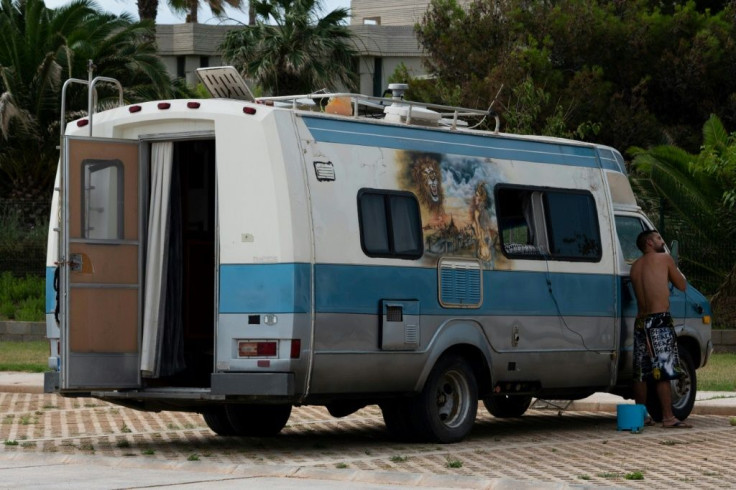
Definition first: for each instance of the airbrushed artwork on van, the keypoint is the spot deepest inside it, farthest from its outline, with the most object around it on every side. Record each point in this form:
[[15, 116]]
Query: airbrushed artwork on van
[[456, 200]]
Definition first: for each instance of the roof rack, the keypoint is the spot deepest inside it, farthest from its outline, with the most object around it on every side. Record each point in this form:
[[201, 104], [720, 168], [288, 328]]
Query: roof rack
[[226, 82]]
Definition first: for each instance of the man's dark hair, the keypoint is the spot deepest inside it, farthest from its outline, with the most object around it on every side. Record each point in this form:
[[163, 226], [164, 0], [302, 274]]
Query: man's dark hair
[[641, 240]]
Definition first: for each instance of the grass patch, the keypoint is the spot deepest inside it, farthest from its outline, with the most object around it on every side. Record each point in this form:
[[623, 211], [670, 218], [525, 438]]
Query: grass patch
[[717, 375], [22, 299], [31, 356], [636, 475], [454, 463]]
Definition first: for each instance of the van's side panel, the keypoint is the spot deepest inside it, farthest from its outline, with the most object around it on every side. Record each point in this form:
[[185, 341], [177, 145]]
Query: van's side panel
[[519, 321]]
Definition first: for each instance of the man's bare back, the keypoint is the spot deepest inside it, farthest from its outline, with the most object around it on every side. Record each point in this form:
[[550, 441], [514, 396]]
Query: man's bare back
[[651, 275]]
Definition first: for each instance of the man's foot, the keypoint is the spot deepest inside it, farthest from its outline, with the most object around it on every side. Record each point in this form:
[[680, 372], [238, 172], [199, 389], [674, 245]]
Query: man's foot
[[649, 422], [673, 423]]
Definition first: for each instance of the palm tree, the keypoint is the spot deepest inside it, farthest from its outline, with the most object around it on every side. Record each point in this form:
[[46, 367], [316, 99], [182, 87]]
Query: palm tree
[[299, 53], [39, 49], [191, 7], [699, 191]]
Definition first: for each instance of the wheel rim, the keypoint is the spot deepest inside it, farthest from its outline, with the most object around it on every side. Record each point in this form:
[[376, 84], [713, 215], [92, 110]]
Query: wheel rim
[[681, 388], [452, 399]]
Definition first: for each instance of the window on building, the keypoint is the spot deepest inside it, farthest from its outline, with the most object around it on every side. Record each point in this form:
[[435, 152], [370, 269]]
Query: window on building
[[371, 21], [204, 61], [556, 224], [181, 65], [390, 224]]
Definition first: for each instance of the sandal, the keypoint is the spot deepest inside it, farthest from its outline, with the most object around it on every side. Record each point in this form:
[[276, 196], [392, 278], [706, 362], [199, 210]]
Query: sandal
[[678, 424], [649, 422]]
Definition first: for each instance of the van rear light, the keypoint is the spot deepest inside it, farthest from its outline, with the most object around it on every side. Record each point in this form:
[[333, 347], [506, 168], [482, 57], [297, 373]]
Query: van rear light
[[193, 105], [249, 110], [254, 348], [134, 108], [296, 348], [82, 122], [163, 105]]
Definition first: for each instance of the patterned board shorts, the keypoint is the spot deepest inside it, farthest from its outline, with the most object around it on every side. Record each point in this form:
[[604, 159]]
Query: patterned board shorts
[[655, 349]]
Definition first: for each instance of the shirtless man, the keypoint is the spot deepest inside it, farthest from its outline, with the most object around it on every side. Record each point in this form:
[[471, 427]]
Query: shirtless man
[[655, 342]]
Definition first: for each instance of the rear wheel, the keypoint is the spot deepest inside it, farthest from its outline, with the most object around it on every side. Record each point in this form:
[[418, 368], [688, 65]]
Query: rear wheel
[[445, 409], [683, 390], [507, 406], [258, 420], [397, 417], [217, 420]]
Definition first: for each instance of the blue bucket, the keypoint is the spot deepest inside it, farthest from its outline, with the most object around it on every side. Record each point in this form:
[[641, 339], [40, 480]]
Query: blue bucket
[[631, 417]]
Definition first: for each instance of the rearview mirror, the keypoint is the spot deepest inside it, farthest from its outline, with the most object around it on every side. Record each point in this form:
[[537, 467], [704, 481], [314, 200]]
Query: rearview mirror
[[675, 251]]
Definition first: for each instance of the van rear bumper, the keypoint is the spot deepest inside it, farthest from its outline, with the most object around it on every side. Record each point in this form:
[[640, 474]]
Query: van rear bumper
[[258, 384]]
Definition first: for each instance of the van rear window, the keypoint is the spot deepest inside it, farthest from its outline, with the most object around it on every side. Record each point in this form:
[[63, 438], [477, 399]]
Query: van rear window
[[542, 223], [390, 224]]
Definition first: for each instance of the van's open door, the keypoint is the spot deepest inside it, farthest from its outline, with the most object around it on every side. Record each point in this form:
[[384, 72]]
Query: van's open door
[[101, 272]]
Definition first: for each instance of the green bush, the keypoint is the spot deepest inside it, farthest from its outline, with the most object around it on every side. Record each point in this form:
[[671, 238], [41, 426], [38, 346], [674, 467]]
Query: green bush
[[22, 299], [23, 235]]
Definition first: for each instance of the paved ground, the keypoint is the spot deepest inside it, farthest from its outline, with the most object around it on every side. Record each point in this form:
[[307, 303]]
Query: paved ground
[[91, 440]]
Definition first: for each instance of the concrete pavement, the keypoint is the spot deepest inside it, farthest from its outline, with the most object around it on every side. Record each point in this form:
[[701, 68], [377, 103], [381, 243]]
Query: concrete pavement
[[77, 443]]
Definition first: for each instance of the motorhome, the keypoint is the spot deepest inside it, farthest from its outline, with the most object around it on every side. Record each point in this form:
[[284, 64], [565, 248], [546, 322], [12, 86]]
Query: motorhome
[[237, 257]]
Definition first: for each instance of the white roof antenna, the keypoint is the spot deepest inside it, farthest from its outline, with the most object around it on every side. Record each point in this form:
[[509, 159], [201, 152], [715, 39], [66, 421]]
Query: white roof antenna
[[225, 82]]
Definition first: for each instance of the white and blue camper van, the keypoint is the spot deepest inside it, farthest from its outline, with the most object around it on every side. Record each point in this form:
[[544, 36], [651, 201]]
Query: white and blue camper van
[[236, 257]]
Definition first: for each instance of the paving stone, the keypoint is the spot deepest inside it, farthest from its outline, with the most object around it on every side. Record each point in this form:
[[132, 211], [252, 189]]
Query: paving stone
[[571, 450]]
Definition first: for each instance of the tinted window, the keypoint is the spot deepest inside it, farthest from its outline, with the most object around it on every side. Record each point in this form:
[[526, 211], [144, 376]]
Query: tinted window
[[390, 224], [627, 229], [572, 226]]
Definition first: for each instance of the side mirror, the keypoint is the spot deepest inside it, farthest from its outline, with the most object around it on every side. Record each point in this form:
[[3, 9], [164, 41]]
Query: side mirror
[[675, 251]]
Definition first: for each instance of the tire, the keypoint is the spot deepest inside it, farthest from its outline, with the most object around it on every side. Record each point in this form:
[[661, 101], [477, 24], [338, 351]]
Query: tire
[[258, 420], [507, 406], [218, 421], [445, 410], [397, 417], [683, 390]]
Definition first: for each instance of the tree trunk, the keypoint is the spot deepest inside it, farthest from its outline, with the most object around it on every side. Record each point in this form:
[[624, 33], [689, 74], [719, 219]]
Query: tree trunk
[[147, 9], [251, 13], [193, 9]]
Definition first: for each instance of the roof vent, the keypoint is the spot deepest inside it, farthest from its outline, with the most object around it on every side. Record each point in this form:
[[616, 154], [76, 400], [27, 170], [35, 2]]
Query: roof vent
[[225, 82]]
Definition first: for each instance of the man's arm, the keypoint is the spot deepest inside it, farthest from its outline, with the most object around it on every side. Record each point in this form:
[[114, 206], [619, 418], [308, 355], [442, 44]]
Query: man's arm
[[675, 276]]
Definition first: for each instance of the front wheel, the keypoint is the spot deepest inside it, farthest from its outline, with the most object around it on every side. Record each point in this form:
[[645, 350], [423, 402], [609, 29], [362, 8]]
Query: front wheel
[[683, 390], [445, 410], [507, 406]]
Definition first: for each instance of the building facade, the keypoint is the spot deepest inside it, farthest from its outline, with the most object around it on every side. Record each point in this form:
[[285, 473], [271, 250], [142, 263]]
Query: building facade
[[384, 39]]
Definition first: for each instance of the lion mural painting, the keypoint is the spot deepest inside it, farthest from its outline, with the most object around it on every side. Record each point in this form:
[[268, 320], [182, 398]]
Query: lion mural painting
[[425, 177]]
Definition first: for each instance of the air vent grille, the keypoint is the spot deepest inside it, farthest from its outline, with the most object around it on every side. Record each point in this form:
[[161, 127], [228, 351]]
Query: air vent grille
[[460, 283]]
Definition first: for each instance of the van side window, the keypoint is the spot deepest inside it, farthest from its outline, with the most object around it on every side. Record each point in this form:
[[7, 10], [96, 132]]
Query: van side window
[[627, 229], [390, 224], [541, 223], [102, 199], [572, 226], [516, 223]]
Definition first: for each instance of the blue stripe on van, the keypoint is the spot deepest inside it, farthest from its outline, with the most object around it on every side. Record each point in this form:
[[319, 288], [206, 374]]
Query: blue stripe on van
[[271, 288], [50, 293], [284, 288], [357, 289], [439, 141]]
